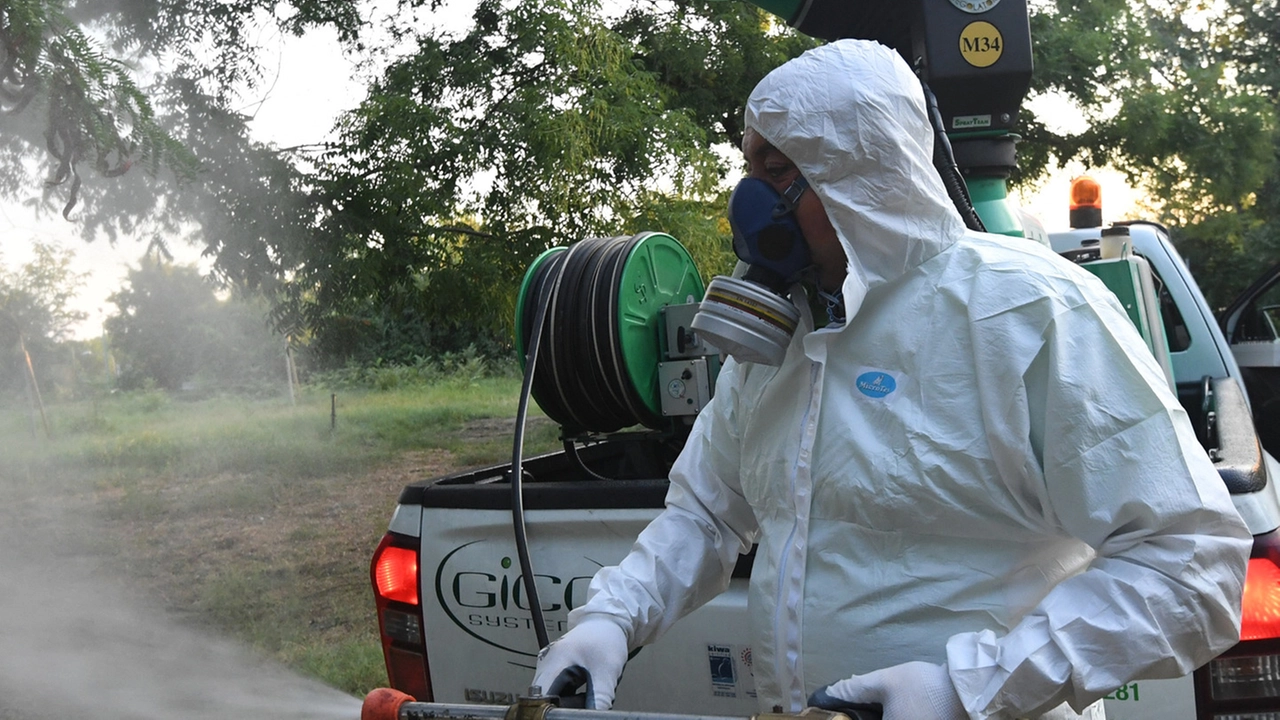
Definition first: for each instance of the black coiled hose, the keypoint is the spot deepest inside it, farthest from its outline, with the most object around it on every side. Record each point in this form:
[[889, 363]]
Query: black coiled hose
[[945, 161]]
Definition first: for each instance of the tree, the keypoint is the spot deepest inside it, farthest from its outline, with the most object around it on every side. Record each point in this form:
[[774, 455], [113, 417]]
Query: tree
[[542, 125], [552, 120], [92, 109], [172, 329], [38, 295], [1185, 103], [1228, 250], [708, 56], [597, 126], [109, 86], [36, 314]]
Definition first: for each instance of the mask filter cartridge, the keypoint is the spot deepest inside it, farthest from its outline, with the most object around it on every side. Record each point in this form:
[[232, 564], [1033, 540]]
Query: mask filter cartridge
[[746, 320], [751, 318]]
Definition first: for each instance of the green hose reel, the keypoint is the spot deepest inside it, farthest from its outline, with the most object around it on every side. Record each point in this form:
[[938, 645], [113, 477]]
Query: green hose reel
[[602, 336]]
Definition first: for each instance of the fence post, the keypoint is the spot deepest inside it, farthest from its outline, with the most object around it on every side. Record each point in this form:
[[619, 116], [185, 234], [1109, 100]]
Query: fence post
[[289, 376], [35, 387]]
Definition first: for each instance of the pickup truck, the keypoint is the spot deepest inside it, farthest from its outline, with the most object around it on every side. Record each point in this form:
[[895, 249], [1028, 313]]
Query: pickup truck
[[456, 625], [1251, 324]]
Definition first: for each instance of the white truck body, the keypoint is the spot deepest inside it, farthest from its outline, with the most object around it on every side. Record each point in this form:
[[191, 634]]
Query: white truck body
[[475, 624]]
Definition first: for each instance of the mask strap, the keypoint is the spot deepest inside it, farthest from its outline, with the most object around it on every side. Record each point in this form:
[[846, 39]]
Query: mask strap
[[790, 197], [835, 304]]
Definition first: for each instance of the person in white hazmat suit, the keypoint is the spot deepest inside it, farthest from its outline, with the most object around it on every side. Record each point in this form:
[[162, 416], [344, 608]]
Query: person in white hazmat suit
[[975, 497]]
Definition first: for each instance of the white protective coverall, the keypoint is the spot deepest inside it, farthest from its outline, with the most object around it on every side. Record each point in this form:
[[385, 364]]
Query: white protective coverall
[[984, 466]]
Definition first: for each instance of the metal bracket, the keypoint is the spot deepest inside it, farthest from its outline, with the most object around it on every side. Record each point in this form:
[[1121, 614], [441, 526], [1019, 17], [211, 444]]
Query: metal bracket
[[532, 708]]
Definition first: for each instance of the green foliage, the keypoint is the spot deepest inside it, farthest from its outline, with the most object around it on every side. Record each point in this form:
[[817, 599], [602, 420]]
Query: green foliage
[[1227, 210], [36, 298], [1080, 50], [1163, 101], [543, 96], [1226, 253], [36, 315], [171, 329], [708, 55], [545, 123], [1184, 99], [462, 369], [701, 226], [213, 41], [93, 111], [118, 439]]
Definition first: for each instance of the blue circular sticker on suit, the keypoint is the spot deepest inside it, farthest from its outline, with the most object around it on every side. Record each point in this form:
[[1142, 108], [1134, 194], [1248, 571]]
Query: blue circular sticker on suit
[[876, 384]]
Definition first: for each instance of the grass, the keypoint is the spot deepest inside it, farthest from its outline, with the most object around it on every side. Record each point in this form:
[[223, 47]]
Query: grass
[[324, 433], [255, 518]]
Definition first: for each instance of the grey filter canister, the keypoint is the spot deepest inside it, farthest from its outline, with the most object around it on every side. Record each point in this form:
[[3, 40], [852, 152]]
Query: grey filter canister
[[745, 320]]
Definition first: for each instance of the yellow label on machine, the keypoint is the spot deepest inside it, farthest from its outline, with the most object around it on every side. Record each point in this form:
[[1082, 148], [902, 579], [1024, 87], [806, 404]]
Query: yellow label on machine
[[981, 44]]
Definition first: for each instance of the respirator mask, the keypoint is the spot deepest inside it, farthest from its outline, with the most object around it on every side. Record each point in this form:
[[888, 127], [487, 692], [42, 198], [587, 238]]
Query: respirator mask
[[750, 317]]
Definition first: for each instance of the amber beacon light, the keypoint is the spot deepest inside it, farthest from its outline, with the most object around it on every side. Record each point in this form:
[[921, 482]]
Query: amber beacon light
[[1086, 203]]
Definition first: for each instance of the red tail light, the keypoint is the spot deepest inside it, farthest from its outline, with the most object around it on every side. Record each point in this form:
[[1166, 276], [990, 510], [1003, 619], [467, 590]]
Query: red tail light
[[1244, 682], [394, 572], [1261, 601]]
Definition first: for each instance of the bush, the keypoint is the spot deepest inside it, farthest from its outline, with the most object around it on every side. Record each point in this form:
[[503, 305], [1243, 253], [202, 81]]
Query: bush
[[464, 368]]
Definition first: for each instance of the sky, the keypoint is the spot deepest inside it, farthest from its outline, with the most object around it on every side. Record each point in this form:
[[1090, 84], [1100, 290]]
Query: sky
[[312, 85]]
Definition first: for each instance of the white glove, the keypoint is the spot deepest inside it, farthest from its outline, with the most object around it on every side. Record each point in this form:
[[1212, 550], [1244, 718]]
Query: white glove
[[910, 691], [591, 653]]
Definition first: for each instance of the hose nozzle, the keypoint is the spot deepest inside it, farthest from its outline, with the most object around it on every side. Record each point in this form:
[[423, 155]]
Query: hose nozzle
[[383, 704]]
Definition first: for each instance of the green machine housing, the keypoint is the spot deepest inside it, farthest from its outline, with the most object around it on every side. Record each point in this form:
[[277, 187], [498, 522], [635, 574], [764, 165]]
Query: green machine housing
[[1129, 277], [974, 55]]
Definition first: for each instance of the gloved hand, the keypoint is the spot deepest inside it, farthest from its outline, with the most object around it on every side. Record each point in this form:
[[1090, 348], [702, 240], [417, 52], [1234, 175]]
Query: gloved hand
[[910, 691], [591, 653]]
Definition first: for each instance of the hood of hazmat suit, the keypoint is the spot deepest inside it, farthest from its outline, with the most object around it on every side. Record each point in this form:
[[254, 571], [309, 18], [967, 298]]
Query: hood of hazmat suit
[[983, 466]]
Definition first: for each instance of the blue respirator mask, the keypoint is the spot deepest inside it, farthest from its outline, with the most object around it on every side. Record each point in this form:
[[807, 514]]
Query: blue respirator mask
[[765, 234], [750, 317]]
